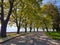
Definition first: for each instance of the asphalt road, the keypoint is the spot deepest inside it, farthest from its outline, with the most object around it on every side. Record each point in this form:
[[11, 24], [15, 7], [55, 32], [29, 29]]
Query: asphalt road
[[37, 38]]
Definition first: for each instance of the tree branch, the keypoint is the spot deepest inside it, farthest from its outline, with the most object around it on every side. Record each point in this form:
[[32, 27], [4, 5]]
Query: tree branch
[[10, 10], [2, 11]]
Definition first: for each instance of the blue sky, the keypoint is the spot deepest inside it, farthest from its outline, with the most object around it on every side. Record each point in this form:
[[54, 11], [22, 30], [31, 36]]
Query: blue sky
[[57, 3]]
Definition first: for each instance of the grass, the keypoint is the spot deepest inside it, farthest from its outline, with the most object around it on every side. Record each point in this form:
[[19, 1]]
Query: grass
[[11, 35], [54, 35]]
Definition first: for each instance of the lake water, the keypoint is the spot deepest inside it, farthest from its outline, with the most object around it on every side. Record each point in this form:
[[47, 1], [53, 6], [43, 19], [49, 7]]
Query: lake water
[[14, 29]]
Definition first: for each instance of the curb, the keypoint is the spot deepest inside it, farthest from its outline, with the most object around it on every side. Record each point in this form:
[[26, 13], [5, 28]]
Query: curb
[[10, 39]]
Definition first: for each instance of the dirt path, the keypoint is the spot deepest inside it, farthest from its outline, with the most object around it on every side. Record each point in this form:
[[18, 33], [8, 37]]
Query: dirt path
[[37, 38]]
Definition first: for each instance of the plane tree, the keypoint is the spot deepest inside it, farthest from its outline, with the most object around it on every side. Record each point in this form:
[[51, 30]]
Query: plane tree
[[4, 22], [6, 6], [52, 11], [24, 12]]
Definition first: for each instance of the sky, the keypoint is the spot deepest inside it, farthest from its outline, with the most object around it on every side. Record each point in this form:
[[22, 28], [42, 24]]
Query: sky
[[57, 2]]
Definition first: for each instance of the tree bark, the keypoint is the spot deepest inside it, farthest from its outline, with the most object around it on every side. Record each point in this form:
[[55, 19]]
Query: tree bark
[[26, 25], [25, 29], [30, 29], [5, 22], [57, 28], [37, 29], [18, 30], [34, 29], [54, 26], [3, 29], [47, 29], [43, 28]]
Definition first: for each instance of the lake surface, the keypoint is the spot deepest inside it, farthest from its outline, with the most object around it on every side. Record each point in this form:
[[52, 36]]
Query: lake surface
[[14, 29]]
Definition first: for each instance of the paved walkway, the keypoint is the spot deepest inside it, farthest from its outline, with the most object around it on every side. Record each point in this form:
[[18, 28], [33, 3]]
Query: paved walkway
[[33, 39]]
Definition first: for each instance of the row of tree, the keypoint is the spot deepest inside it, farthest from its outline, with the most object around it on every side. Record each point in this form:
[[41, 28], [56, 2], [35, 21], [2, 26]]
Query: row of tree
[[17, 8], [28, 13]]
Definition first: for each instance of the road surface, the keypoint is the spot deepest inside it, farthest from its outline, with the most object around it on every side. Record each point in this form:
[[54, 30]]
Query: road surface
[[36, 38]]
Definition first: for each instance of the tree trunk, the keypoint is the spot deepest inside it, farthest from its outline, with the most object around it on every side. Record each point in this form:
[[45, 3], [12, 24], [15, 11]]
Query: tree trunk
[[5, 22], [18, 30], [37, 29], [43, 28], [34, 29], [25, 29], [54, 27], [57, 28], [46, 28], [3, 29], [30, 26], [30, 29]]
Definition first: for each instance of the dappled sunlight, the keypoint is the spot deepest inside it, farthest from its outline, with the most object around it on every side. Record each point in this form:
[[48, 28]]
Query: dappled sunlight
[[28, 21], [48, 40], [22, 36], [33, 39], [22, 41], [13, 44], [54, 42], [30, 41]]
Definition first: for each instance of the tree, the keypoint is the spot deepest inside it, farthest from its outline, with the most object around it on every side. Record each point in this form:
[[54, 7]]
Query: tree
[[3, 21], [52, 11], [32, 10], [27, 11], [18, 16]]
